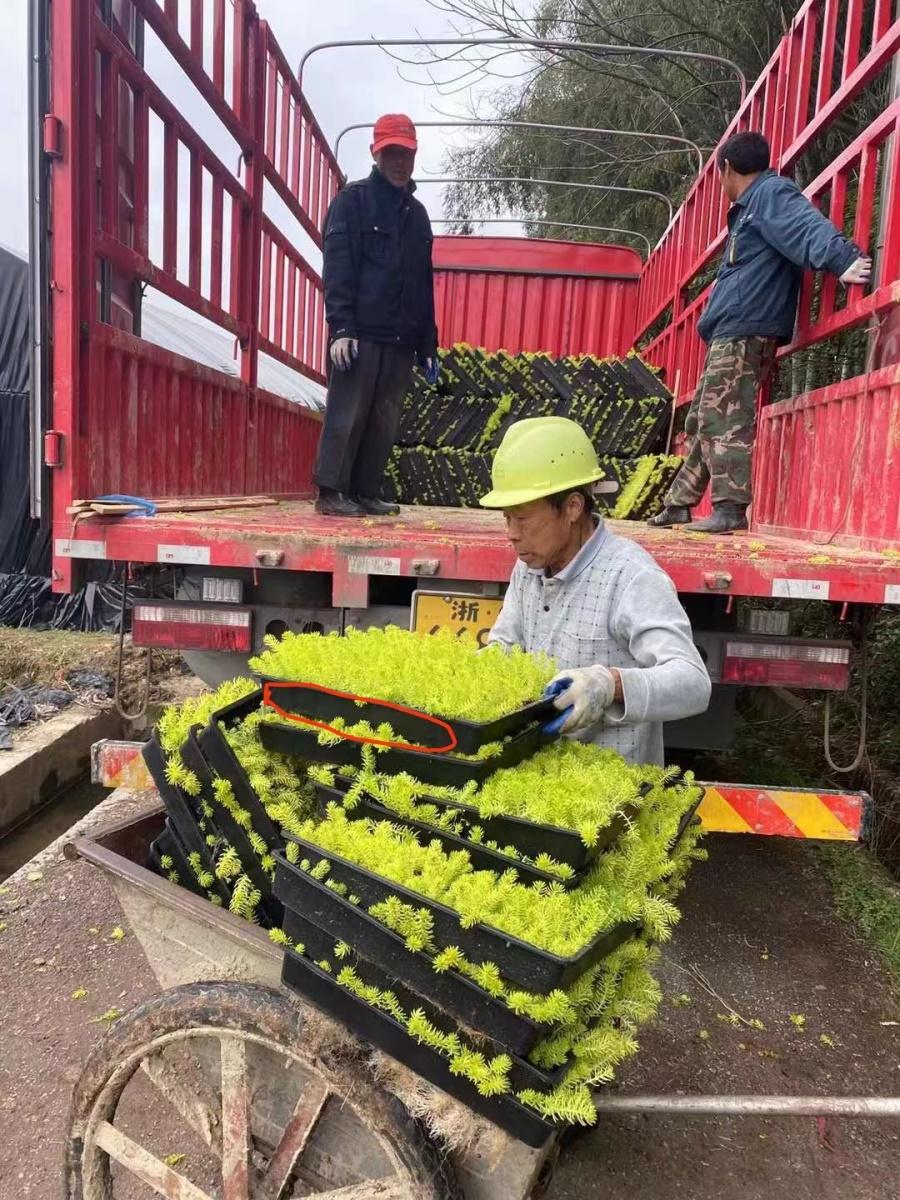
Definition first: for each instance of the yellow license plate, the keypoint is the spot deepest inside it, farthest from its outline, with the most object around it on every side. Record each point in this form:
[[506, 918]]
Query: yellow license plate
[[465, 616]]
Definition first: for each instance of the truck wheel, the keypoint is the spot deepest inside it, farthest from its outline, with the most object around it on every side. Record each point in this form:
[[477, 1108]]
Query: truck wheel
[[229, 1079]]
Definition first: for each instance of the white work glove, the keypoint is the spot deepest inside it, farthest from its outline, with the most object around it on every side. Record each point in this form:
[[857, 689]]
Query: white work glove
[[343, 351], [587, 691], [858, 271]]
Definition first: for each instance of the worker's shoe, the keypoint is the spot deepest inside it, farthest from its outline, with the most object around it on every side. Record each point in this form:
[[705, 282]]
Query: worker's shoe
[[377, 508], [727, 517], [336, 504], [672, 514]]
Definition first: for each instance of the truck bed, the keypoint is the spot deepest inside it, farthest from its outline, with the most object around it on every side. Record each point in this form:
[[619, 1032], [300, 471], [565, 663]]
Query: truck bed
[[438, 544]]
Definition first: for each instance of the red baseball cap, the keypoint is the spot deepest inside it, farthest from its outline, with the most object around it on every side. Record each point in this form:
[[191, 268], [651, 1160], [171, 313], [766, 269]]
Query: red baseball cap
[[394, 129]]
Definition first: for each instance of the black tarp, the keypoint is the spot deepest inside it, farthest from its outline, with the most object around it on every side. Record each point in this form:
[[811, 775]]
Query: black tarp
[[25, 595], [22, 547]]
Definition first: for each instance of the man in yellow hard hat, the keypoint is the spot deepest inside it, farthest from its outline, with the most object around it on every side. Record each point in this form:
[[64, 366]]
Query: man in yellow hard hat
[[596, 603]]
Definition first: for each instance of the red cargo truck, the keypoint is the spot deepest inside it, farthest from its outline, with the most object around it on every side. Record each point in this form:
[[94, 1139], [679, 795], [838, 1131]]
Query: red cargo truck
[[121, 415]]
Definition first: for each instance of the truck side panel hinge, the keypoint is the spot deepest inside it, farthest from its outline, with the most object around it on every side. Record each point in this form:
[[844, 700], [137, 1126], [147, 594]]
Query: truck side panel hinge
[[53, 446], [53, 136]]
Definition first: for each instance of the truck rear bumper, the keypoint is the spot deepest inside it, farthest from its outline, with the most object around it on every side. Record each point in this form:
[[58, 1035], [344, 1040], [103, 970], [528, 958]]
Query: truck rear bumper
[[726, 808]]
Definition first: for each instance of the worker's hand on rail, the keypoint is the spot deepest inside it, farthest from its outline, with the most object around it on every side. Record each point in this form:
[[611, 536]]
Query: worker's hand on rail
[[581, 696], [858, 271], [431, 369], [343, 352]]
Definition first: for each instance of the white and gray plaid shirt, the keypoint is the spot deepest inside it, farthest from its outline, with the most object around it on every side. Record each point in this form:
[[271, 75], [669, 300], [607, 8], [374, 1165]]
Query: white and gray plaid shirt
[[613, 605]]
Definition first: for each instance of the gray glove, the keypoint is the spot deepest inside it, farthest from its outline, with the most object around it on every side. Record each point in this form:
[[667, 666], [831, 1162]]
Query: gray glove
[[590, 692], [343, 352], [858, 271]]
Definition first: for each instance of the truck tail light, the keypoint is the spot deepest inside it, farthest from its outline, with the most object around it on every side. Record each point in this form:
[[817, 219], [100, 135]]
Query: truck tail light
[[787, 664], [193, 627]]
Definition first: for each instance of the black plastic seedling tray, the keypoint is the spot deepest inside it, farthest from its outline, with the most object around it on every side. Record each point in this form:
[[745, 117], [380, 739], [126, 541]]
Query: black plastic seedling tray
[[319, 947], [181, 811], [532, 968], [192, 752], [689, 818], [483, 858], [381, 1030], [224, 762], [420, 729], [531, 838], [444, 770], [457, 995], [167, 845]]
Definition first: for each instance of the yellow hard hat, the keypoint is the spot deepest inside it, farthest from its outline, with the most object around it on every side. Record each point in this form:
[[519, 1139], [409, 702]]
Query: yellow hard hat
[[539, 457]]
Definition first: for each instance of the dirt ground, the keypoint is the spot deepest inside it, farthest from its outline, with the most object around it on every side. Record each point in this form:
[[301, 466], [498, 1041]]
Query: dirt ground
[[46, 656], [757, 926]]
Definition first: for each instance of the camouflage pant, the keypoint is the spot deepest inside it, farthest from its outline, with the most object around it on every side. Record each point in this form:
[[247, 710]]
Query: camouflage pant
[[721, 422]]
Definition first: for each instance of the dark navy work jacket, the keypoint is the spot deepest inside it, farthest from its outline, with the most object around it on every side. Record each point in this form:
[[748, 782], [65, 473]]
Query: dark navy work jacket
[[377, 266]]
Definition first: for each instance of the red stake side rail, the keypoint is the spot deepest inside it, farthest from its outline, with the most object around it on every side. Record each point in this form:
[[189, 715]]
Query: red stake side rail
[[131, 417], [807, 84], [127, 415]]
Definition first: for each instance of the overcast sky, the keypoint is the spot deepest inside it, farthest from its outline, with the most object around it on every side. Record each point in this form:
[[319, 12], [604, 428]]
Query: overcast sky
[[343, 86]]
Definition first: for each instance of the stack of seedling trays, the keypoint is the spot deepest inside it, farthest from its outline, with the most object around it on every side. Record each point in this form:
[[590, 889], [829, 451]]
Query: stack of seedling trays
[[201, 828], [440, 923], [459, 478], [449, 432]]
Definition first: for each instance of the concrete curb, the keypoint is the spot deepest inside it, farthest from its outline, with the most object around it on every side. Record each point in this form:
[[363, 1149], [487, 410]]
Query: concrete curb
[[49, 757]]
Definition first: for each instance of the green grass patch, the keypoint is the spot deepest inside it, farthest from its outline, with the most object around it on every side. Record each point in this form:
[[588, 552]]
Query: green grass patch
[[866, 897]]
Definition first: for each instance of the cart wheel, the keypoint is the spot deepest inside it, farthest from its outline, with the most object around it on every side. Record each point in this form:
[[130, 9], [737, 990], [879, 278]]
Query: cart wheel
[[216, 1091]]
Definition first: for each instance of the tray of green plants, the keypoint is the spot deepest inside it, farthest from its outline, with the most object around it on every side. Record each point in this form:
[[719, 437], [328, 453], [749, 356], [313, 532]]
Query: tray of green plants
[[244, 851], [384, 1030], [312, 701], [438, 674], [367, 977], [168, 858], [503, 1013], [443, 770], [228, 853], [441, 827], [559, 809], [225, 763], [528, 963], [189, 826]]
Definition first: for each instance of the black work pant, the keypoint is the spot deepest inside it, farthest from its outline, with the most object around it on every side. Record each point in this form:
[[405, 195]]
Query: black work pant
[[362, 416]]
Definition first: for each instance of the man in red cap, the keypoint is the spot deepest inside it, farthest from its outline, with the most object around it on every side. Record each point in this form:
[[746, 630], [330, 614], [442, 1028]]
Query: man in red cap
[[379, 304]]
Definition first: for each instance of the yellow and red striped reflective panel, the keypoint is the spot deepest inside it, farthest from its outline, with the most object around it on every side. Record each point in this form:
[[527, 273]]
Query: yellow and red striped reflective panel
[[827, 816], [120, 765]]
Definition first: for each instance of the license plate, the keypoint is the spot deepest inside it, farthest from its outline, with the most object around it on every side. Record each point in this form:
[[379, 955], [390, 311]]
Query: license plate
[[465, 616]]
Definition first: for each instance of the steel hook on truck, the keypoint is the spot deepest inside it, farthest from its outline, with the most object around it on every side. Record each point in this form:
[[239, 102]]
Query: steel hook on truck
[[120, 661]]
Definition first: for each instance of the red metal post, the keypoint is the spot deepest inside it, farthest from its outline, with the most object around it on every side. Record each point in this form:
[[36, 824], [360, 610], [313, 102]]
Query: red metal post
[[195, 233], [72, 267], [170, 200], [218, 57], [141, 173], [216, 247]]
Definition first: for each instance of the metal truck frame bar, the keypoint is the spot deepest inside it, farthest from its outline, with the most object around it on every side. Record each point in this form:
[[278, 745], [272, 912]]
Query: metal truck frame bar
[[596, 187], [589, 48], [497, 124], [541, 224]]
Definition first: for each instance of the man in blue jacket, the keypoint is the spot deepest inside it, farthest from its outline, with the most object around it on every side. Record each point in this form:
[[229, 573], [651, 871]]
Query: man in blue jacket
[[379, 304], [774, 232]]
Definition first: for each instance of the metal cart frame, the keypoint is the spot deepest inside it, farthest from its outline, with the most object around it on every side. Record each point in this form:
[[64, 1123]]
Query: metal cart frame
[[222, 977]]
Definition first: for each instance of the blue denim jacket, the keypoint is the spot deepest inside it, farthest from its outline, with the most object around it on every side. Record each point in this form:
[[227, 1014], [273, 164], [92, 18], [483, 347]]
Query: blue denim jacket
[[774, 233]]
